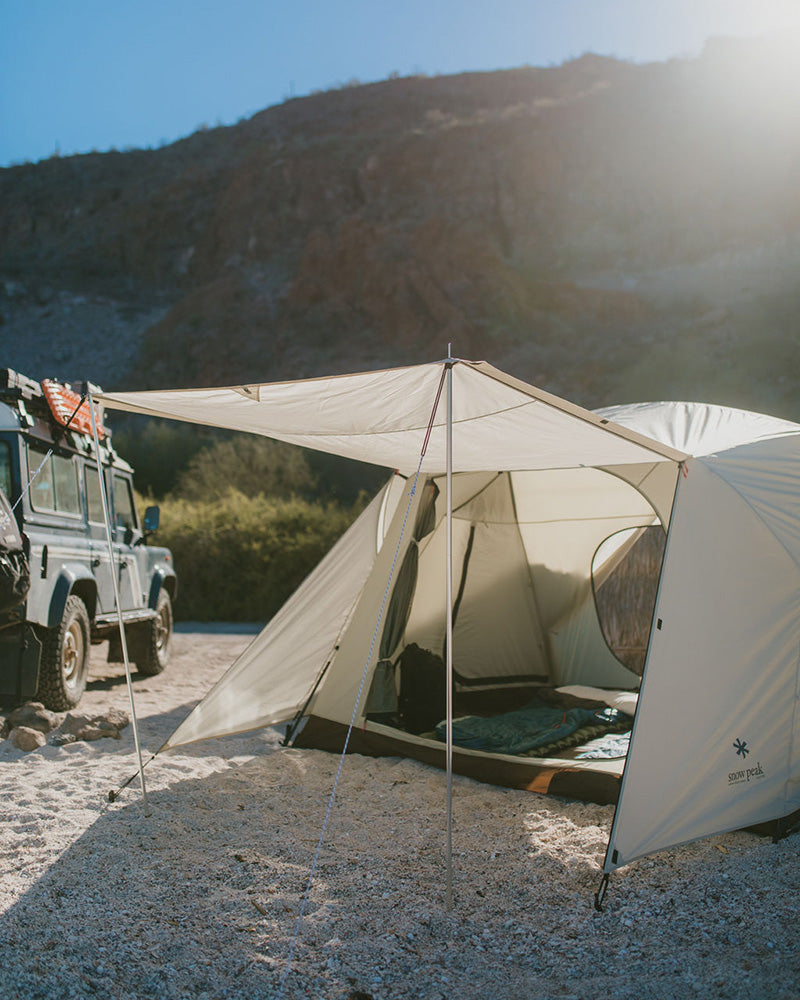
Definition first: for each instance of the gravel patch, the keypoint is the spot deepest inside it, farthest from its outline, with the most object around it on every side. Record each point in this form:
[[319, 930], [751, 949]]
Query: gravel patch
[[201, 899]]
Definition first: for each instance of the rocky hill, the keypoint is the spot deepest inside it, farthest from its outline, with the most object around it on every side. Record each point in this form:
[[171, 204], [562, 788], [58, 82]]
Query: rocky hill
[[609, 231]]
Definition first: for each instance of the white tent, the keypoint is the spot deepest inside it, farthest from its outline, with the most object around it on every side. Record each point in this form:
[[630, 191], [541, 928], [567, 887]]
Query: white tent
[[517, 491]]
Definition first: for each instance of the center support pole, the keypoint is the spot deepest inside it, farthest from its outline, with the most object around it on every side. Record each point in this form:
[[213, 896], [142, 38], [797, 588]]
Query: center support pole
[[122, 638], [449, 630]]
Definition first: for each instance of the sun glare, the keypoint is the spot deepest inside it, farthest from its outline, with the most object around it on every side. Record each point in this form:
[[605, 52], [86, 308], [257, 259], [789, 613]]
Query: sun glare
[[761, 17], [761, 74], [778, 15]]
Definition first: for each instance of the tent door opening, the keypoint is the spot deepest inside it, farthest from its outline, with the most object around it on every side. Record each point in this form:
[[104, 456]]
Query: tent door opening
[[542, 561]]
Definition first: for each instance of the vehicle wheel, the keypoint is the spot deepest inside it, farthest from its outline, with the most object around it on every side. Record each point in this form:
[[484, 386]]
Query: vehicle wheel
[[65, 659], [156, 640]]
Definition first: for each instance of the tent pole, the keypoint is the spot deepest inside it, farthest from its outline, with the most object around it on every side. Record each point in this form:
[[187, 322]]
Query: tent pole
[[122, 638], [449, 629]]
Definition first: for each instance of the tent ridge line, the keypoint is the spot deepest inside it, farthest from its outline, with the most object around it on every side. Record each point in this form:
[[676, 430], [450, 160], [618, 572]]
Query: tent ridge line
[[584, 520], [579, 412]]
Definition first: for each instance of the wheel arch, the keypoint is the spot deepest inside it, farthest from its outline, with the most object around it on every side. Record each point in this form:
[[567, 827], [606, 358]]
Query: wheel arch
[[73, 578], [163, 577]]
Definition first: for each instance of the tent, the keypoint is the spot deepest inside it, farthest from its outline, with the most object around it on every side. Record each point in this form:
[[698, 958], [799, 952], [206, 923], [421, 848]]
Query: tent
[[510, 507]]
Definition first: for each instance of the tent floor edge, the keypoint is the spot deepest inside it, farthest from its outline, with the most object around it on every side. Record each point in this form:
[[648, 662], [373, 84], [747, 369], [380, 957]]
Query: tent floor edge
[[778, 828], [528, 774]]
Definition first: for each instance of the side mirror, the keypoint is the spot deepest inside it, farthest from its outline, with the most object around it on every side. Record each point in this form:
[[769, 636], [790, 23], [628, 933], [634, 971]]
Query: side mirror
[[151, 518]]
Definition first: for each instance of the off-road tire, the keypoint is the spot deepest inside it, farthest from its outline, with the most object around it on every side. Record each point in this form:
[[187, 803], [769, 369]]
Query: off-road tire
[[152, 655], [65, 659]]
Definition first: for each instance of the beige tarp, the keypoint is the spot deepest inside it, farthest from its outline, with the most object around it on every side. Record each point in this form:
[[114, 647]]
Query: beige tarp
[[279, 668], [382, 417], [540, 485]]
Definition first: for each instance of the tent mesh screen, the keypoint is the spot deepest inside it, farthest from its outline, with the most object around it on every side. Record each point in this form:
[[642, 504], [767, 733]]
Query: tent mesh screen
[[626, 599]]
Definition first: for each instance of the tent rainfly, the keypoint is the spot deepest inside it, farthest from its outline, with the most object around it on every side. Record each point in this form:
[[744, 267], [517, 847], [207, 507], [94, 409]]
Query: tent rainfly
[[537, 502]]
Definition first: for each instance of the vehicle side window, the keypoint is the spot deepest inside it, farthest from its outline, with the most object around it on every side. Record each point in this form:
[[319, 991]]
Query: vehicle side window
[[5, 469], [94, 498], [65, 483], [124, 509], [55, 487], [41, 491]]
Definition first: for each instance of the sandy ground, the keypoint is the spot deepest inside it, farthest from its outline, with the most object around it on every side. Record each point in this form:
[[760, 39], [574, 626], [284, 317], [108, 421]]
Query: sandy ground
[[209, 896]]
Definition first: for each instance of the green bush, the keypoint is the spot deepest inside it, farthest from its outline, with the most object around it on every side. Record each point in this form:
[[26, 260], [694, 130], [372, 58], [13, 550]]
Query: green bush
[[249, 464], [191, 461], [159, 450], [238, 558]]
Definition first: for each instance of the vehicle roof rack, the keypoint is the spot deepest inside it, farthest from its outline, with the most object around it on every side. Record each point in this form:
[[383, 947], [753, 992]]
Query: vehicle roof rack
[[16, 386]]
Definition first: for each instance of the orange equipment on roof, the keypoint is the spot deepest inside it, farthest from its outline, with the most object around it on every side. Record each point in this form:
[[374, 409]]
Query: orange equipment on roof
[[63, 403]]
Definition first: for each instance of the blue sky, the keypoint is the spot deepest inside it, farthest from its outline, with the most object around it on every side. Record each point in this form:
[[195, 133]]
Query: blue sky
[[102, 74]]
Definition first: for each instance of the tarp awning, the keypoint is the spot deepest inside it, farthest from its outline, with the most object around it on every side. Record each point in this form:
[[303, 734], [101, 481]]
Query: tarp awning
[[382, 418]]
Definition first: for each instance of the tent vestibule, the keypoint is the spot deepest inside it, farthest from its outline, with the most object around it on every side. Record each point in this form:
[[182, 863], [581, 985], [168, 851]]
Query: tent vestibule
[[547, 510]]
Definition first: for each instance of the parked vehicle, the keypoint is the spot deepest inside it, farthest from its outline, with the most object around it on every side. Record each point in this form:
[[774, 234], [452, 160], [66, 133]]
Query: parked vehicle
[[49, 473]]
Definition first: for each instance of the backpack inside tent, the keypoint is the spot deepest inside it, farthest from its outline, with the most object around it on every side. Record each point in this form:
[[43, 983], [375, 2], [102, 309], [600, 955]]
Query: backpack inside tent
[[624, 601]]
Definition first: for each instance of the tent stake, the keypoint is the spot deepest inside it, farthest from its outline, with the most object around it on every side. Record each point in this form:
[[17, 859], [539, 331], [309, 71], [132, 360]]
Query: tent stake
[[600, 895], [122, 638], [113, 795]]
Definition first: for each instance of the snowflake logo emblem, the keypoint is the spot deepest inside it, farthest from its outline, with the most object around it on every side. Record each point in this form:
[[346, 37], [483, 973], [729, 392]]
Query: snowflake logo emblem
[[741, 748]]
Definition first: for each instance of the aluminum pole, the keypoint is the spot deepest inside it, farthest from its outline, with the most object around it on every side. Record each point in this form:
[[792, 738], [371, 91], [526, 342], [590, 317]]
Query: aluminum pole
[[449, 629], [122, 638]]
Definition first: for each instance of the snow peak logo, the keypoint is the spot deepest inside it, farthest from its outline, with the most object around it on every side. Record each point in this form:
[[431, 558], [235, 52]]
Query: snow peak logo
[[744, 774]]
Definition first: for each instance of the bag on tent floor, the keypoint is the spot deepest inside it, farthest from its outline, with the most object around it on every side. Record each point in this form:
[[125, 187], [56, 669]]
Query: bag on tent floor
[[423, 687]]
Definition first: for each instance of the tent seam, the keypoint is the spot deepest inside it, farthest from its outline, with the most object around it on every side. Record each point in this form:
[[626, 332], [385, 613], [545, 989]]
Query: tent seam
[[665, 451], [544, 644]]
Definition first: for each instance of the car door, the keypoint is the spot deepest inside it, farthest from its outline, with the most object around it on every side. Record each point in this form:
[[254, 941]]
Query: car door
[[101, 561], [126, 532]]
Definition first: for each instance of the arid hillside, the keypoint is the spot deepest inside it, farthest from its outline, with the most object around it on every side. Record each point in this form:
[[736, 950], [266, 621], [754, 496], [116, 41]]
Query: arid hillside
[[609, 231]]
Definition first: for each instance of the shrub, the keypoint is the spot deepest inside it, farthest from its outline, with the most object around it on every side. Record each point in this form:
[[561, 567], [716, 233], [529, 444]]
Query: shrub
[[159, 450], [250, 464], [238, 558]]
